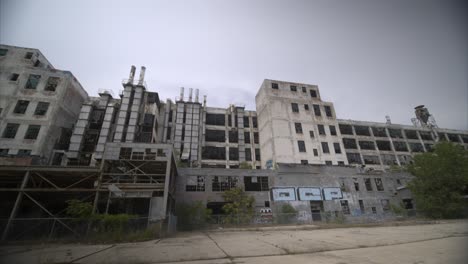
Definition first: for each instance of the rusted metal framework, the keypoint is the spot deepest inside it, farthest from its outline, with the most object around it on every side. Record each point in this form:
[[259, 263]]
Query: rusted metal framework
[[145, 180]]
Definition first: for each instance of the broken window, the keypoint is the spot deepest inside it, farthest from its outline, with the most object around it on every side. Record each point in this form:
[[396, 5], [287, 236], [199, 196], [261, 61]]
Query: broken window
[[328, 110], [21, 107], [298, 127], [354, 158], [246, 121], [346, 129], [408, 204], [465, 138], [274, 86], [345, 207], [383, 145], [247, 137], [404, 159], [356, 184], [125, 153], [379, 132], [328, 162], [313, 93], [306, 107], [304, 90], [315, 152], [215, 135], [349, 143], [4, 152], [41, 108], [32, 82], [10, 130], [325, 148], [411, 134], [311, 133], [361, 206], [371, 159], [337, 148], [389, 159], [256, 141], [233, 136], [257, 154], [385, 205], [453, 137], [215, 119], [416, 147], [52, 84], [28, 55], [295, 108], [195, 184], [400, 146], [254, 122], [304, 162], [367, 145], [233, 154], [293, 88], [368, 184], [248, 154], [14, 77], [321, 129], [442, 137], [374, 210], [395, 133], [256, 184], [90, 141], [425, 135], [332, 130], [317, 110], [379, 184], [223, 183], [214, 153], [341, 163], [301, 146], [362, 130], [32, 132]]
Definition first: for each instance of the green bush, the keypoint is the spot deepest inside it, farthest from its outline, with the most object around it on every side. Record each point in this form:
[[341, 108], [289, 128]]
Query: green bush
[[287, 214], [239, 207], [192, 216], [79, 209]]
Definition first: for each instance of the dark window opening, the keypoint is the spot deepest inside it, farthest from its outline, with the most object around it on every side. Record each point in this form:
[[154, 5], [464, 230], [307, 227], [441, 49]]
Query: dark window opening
[[3, 52], [400, 146], [41, 108], [14, 77], [169, 118], [371, 160], [416, 147], [223, 183], [301, 146], [214, 153], [383, 145], [306, 107], [313, 93], [10, 130], [408, 204], [256, 139], [325, 148], [429, 147], [274, 86], [304, 162], [354, 158], [295, 108], [248, 154], [395, 133], [332, 130], [24, 152], [215, 119], [315, 152], [267, 203], [361, 206], [21, 107], [337, 148], [256, 184], [453, 138], [317, 110], [367, 145], [298, 128], [425, 135], [345, 207], [233, 154], [215, 135], [195, 184], [32, 132], [411, 134], [346, 129], [349, 143], [379, 132], [356, 184], [388, 159], [379, 184], [257, 154], [32, 82], [246, 121], [28, 55], [328, 111], [362, 130], [341, 163], [52, 84], [233, 136], [328, 162], [368, 184], [4, 152], [311, 133], [169, 131], [247, 137], [321, 129], [254, 122], [125, 153], [385, 205], [293, 88]]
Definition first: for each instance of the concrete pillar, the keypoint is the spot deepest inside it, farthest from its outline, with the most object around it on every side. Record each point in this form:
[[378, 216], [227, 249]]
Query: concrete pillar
[[142, 75], [14, 211], [132, 74]]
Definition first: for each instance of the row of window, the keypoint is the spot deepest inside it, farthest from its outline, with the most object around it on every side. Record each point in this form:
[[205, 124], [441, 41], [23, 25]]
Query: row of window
[[33, 82], [317, 111], [220, 136], [384, 202], [325, 147], [11, 129], [28, 55], [219, 153], [398, 133], [220, 120], [320, 128], [225, 183], [21, 152], [22, 106], [293, 88], [350, 143]]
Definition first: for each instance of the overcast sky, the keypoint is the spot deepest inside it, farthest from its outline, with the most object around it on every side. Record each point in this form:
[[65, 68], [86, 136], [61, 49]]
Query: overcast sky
[[370, 58]]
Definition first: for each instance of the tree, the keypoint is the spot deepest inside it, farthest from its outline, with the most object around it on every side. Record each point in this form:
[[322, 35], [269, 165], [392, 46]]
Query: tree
[[239, 207], [440, 180], [191, 216]]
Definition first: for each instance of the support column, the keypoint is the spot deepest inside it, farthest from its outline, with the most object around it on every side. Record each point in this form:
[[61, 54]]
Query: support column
[[14, 211]]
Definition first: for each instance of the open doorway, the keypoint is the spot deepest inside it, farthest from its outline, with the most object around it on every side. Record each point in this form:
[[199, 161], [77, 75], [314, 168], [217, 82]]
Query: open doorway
[[316, 208]]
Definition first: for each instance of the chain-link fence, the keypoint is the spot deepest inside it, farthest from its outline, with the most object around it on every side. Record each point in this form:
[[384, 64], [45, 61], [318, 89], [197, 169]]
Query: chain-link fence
[[113, 229]]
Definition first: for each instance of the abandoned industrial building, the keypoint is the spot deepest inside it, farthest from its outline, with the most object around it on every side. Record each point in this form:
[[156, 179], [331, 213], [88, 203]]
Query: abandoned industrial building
[[138, 154]]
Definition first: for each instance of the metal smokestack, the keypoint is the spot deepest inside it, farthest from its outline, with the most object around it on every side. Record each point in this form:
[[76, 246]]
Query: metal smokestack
[[190, 95], [132, 74], [181, 94], [196, 95], [142, 75]]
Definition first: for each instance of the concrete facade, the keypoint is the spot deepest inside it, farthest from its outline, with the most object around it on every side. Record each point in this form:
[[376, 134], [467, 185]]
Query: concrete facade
[[39, 106]]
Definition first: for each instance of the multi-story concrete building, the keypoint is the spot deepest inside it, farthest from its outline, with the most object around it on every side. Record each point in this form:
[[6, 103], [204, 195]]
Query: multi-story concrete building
[[39, 106]]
